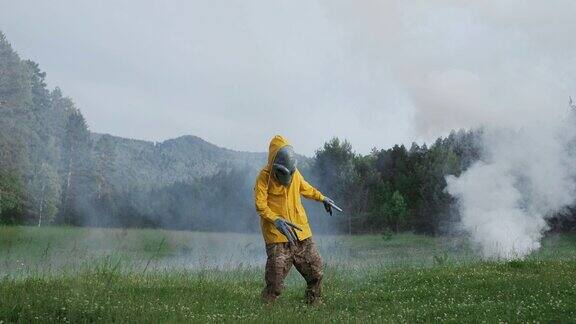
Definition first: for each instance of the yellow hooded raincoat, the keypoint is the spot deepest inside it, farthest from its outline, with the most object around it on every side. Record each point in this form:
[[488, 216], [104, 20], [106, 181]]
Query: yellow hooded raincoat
[[274, 200]]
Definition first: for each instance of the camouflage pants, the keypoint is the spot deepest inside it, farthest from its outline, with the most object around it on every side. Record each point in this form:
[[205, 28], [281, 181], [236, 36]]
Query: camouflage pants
[[305, 257]]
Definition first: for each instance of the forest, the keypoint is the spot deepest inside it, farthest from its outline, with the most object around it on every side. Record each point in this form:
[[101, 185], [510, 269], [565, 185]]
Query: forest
[[54, 171]]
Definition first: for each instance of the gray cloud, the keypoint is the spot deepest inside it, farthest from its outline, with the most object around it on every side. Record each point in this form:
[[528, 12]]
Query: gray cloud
[[237, 72]]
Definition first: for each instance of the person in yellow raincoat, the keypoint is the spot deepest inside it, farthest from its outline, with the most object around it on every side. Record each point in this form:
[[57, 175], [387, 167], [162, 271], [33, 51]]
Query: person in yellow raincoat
[[284, 223]]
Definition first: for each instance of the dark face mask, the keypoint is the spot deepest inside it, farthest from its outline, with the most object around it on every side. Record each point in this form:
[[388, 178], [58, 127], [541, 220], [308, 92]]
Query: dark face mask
[[284, 165]]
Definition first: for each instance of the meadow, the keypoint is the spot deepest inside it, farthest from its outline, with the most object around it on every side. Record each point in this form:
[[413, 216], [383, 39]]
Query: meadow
[[68, 274]]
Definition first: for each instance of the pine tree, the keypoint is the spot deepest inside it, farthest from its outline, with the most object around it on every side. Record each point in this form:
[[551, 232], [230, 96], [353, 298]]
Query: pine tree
[[75, 155], [104, 171]]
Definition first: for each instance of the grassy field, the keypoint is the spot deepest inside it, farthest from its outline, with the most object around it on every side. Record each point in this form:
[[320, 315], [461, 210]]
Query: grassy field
[[85, 275]]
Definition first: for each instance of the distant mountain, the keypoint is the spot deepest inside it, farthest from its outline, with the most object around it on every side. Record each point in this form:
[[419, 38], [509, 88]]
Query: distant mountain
[[145, 164], [141, 164]]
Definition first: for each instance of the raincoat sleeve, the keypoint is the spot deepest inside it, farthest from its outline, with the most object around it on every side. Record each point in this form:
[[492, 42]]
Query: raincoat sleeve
[[308, 191], [261, 199]]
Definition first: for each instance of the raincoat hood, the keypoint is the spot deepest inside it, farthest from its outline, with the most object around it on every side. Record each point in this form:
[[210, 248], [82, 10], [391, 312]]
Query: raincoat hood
[[276, 144]]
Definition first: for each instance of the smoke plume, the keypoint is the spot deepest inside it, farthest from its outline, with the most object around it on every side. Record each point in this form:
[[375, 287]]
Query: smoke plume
[[525, 176]]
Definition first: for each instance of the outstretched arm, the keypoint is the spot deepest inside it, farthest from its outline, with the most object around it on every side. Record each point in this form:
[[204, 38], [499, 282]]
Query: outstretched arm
[[261, 198], [308, 191]]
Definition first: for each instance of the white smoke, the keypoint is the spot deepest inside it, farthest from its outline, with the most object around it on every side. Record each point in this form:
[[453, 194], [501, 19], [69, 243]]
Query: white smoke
[[525, 176]]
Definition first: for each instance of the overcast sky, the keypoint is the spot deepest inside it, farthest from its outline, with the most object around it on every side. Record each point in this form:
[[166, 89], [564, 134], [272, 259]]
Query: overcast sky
[[237, 72]]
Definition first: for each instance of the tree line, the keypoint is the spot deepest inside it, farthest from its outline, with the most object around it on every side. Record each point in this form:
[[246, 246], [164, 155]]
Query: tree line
[[395, 189]]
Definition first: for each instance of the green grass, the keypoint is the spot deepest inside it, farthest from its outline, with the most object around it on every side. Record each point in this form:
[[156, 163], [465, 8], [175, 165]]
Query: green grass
[[86, 275]]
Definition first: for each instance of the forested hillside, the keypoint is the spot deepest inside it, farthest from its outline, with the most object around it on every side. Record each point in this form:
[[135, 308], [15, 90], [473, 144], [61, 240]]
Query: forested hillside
[[143, 164]]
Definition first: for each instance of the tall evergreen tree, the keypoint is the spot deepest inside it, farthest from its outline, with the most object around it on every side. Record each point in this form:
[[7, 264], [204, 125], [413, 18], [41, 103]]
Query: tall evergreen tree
[[76, 154], [105, 204]]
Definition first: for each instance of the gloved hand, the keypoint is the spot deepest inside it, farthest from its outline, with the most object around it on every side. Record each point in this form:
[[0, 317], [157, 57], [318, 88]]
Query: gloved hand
[[288, 229], [328, 205]]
